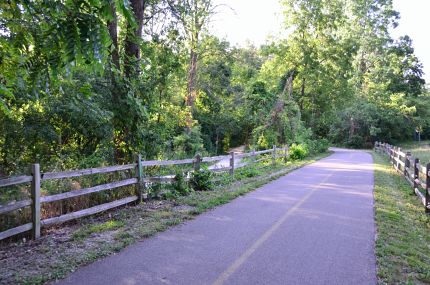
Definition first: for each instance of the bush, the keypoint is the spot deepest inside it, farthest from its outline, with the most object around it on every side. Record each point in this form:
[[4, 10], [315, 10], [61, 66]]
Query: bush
[[317, 146], [356, 141], [201, 180], [247, 172], [180, 185], [154, 190], [298, 151]]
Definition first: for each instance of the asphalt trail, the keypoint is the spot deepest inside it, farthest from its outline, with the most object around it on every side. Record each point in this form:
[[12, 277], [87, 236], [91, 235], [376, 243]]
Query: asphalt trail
[[312, 226]]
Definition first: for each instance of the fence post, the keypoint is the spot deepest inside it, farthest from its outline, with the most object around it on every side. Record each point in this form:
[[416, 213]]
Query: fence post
[[35, 197], [139, 176], [391, 154], [407, 163], [286, 153], [232, 163], [274, 154], [197, 162], [427, 200], [416, 173], [398, 165], [253, 155]]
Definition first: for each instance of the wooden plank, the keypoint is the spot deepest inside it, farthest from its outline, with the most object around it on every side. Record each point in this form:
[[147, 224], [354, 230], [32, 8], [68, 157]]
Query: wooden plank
[[87, 212], [400, 153], [421, 196], [214, 158], [243, 164], [220, 169], [15, 231], [399, 161], [80, 192], [246, 154], [89, 171], [263, 151], [166, 162], [15, 180], [167, 178], [14, 206], [420, 183], [263, 158]]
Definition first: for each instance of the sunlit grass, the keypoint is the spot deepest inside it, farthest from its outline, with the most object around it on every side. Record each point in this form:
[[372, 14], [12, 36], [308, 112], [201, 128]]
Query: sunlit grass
[[419, 150], [97, 228], [403, 229]]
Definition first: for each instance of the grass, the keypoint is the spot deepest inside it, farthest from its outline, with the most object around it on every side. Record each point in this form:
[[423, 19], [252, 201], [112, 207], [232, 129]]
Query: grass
[[57, 254], [97, 228], [403, 229], [420, 150]]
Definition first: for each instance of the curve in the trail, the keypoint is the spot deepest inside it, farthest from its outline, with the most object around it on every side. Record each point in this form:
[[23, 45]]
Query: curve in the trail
[[312, 226]]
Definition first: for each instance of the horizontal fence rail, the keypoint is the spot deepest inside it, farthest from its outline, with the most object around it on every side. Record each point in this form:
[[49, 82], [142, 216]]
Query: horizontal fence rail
[[138, 180], [414, 172]]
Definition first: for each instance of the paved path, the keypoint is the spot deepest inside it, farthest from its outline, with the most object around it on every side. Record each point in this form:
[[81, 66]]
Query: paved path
[[312, 226]]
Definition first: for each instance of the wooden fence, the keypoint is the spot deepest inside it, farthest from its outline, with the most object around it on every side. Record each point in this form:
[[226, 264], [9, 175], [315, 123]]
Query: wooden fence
[[138, 180], [414, 172]]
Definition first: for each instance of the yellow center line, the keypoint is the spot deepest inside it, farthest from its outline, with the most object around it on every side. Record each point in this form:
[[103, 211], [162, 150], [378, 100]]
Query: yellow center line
[[238, 262]]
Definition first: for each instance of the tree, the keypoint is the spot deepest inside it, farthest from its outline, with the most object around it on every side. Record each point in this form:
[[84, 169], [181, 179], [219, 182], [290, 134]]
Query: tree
[[193, 16]]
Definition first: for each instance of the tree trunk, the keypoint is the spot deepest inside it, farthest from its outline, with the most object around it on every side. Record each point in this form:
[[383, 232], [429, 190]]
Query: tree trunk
[[134, 35], [191, 88], [192, 75], [131, 68], [280, 104], [113, 33], [303, 87]]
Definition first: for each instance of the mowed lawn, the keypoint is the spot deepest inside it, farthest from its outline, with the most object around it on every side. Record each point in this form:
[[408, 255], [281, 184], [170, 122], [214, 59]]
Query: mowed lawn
[[419, 150], [403, 227]]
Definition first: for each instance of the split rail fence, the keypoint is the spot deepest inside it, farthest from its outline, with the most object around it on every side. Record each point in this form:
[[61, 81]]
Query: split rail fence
[[35, 177], [414, 172]]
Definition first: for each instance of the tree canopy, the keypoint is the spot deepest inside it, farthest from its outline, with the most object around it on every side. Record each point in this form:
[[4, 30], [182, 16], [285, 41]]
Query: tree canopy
[[87, 82]]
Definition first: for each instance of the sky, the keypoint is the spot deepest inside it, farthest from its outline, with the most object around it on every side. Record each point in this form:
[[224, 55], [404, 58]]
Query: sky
[[251, 21]]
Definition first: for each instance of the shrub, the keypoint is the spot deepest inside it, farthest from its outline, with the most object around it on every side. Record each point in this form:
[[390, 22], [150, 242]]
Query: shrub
[[201, 180], [180, 185], [298, 151], [317, 146], [247, 172], [154, 190]]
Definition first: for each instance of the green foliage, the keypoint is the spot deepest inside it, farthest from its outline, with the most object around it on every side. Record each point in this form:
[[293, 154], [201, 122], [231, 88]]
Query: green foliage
[[188, 143], [246, 172], [401, 257], [201, 180], [298, 151], [67, 99], [97, 228], [264, 138], [154, 190], [180, 184], [317, 146]]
